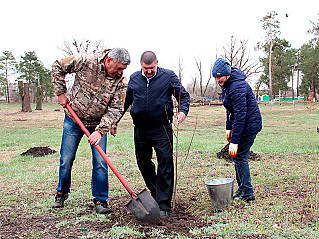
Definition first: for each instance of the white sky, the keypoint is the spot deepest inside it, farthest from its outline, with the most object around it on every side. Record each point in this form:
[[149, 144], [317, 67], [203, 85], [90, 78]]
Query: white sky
[[172, 29]]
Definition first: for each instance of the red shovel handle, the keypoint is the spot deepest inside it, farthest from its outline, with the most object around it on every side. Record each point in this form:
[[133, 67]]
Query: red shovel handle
[[107, 160]]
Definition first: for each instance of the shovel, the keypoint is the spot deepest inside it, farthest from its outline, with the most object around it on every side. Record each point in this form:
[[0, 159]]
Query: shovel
[[142, 205]]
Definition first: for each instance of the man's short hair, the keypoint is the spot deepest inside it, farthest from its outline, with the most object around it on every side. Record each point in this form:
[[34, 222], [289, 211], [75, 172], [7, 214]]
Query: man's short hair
[[120, 55], [148, 58]]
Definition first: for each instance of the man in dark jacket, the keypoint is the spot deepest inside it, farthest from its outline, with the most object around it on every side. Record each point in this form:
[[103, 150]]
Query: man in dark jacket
[[150, 94], [242, 124]]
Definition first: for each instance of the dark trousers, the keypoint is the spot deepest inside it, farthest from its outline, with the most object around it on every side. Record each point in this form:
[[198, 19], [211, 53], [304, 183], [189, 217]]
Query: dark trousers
[[161, 183], [242, 166]]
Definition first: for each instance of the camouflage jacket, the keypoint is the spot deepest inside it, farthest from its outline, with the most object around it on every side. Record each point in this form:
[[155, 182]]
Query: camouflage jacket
[[95, 97]]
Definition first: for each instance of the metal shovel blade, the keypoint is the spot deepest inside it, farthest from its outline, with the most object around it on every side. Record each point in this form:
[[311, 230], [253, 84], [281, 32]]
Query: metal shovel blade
[[144, 208]]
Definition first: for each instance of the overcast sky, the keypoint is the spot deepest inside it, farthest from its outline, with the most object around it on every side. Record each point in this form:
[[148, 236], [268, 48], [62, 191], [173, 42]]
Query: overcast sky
[[172, 29]]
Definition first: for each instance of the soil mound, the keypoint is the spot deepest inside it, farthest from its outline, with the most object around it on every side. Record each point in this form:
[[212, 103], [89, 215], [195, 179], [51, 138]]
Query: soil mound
[[224, 154], [38, 151]]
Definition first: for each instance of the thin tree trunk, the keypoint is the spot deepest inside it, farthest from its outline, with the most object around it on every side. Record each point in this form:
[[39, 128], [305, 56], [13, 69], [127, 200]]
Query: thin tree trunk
[[39, 99], [298, 83], [270, 75], [25, 96], [39, 95], [8, 96]]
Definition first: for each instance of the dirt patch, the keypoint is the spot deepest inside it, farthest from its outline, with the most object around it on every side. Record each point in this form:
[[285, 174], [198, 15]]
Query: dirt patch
[[180, 221], [38, 151], [224, 154]]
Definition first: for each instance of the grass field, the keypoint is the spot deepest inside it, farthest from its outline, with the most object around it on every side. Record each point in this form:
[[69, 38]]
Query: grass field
[[286, 177]]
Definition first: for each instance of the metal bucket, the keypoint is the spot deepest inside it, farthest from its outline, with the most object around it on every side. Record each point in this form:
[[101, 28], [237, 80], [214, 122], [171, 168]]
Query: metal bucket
[[220, 191]]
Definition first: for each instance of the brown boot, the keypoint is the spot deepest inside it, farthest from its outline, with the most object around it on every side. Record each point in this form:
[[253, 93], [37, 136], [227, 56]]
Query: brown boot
[[59, 199], [101, 207]]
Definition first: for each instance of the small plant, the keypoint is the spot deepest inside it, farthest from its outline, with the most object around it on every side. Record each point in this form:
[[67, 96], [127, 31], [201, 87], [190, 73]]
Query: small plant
[[311, 103]]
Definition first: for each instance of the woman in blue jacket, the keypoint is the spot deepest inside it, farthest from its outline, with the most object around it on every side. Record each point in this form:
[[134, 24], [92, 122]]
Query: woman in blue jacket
[[242, 124]]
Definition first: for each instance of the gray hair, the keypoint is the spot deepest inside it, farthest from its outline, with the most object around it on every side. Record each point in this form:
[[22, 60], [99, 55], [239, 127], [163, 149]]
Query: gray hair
[[148, 58], [120, 55]]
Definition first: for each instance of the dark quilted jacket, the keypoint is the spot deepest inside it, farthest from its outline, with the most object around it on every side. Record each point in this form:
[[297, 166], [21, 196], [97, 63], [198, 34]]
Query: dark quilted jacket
[[243, 115]]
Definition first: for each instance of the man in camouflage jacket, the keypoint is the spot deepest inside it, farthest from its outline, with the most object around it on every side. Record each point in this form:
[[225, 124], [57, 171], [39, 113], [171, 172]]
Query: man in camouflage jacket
[[97, 97]]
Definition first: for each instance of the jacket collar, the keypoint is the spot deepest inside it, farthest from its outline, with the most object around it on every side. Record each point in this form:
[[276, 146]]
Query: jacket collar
[[103, 55]]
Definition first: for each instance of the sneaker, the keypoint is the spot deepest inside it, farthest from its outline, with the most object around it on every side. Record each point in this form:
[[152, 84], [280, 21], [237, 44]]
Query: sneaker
[[101, 207], [59, 199], [163, 214]]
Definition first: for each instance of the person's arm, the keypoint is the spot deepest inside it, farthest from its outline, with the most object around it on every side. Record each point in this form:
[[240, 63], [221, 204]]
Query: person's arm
[[182, 97], [128, 97], [238, 99], [115, 109], [127, 104], [228, 120], [60, 69]]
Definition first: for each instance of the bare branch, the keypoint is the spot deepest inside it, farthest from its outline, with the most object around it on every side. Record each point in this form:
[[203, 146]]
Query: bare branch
[[238, 56], [199, 67], [79, 46]]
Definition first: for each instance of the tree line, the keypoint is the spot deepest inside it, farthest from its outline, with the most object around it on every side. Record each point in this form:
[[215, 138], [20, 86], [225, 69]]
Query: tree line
[[31, 73], [281, 61], [276, 68]]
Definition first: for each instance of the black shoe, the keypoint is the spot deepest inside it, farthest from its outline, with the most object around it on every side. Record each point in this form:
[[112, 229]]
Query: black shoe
[[59, 199], [237, 195], [247, 198], [101, 207], [163, 214]]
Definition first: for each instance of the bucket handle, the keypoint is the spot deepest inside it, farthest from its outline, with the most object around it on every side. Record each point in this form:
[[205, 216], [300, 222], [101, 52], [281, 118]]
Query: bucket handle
[[214, 167]]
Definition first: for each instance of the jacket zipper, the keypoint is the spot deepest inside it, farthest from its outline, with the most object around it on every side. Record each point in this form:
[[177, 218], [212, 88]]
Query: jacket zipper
[[147, 84]]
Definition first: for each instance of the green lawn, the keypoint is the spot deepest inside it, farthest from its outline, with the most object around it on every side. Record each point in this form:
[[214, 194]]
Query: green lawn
[[285, 178]]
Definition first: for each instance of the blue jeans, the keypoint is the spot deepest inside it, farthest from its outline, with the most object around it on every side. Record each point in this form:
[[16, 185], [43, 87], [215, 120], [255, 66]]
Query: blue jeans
[[72, 135], [241, 165]]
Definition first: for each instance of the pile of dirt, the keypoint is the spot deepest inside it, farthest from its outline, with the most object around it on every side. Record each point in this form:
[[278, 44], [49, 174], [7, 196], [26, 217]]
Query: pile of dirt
[[38, 151], [180, 220], [224, 154]]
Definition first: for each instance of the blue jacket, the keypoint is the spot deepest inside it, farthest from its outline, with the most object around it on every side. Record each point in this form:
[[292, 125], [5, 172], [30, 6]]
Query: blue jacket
[[152, 102], [243, 115]]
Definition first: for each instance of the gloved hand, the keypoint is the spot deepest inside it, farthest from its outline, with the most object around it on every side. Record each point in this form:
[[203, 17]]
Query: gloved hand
[[233, 148], [228, 134]]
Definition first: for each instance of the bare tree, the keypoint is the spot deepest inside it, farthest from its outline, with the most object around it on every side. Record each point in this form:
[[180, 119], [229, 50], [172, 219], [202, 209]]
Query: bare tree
[[202, 88], [209, 79], [271, 26], [8, 66], [239, 56], [201, 80], [180, 69], [199, 68], [78, 46], [194, 83]]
